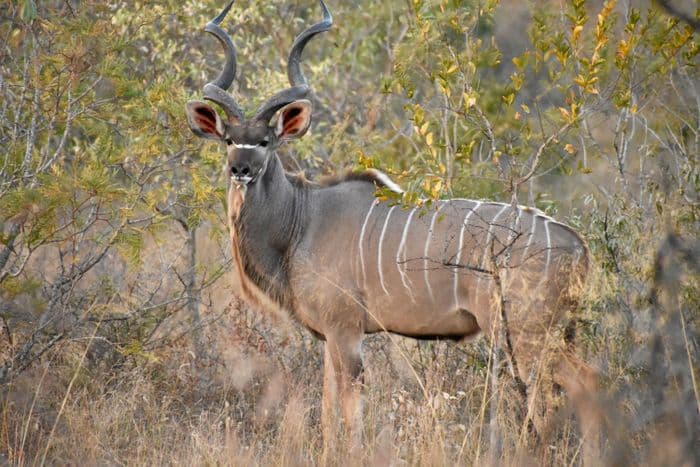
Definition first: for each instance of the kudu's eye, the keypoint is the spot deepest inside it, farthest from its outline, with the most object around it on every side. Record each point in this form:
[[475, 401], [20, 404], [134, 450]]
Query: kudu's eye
[[263, 143], [229, 141]]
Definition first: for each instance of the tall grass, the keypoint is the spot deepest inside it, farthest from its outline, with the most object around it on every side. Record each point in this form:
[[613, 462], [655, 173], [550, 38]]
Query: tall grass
[[427, 403]]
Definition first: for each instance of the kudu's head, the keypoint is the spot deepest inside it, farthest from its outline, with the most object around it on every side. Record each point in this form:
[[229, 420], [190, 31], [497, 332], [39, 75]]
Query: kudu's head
[[284, 116]]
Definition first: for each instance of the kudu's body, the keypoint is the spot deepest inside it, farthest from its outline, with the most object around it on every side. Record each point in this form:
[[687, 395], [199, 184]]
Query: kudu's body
[[345, 264]]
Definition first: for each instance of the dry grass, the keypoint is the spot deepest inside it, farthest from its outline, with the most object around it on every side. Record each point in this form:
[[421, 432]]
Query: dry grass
[[263, 408], [145, 390], [254, 399]]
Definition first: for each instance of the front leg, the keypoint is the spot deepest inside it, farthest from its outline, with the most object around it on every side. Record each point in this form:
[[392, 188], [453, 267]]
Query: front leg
[[345, 351], [329, 406]]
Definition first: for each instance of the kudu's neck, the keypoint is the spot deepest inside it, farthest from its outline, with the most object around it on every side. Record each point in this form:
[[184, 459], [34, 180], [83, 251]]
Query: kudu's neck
[[274, 209], [272, 220]]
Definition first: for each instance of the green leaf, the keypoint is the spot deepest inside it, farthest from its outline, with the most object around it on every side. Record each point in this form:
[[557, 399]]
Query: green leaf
[[28, 11]]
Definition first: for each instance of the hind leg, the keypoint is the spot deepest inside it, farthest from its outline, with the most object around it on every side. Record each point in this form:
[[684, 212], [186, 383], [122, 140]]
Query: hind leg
[[534, 362], [563, 367], [580, 381]]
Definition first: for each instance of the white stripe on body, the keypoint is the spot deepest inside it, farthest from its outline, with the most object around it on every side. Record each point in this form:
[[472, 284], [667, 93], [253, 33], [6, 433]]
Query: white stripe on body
[[401, 259], [461, 244], [517, 221], [534, 210], [425, 254], [549, 247], [549, 253], [512, 237], [529, 240], [486, 246], [379, 250], [530, 209], [362, 237]]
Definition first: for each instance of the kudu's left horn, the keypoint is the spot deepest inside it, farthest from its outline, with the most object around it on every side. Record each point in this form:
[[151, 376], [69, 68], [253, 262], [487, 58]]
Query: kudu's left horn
[[299, 85], [296, 77], [216, 91]]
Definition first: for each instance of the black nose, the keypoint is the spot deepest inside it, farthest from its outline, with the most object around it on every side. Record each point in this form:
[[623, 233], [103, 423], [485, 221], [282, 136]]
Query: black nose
[[241, 169]]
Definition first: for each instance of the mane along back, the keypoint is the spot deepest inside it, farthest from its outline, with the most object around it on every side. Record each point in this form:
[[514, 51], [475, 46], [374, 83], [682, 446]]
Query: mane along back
[[373, 176]]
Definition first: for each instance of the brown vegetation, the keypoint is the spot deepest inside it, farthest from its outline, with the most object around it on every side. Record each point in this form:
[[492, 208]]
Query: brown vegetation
[[121, 338]]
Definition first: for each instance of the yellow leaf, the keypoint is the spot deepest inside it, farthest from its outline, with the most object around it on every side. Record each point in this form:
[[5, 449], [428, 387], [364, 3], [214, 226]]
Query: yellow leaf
[[564, 113], [437, 187], [429, 139], [469, 101], [623, 50], [525, 108], [574, 110], [570, 148]]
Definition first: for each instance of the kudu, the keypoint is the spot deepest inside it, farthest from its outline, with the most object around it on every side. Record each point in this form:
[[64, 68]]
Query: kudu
[[345, 264]]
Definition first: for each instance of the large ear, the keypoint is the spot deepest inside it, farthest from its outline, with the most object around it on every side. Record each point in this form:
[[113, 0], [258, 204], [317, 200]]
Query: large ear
[[293, 119], [204, 120]]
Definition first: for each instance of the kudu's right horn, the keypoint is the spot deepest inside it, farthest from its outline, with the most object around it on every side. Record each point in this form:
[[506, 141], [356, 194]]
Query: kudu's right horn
[[216, 91]]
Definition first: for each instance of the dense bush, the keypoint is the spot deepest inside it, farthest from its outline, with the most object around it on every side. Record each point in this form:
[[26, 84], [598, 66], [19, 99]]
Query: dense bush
[[120, 337]]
